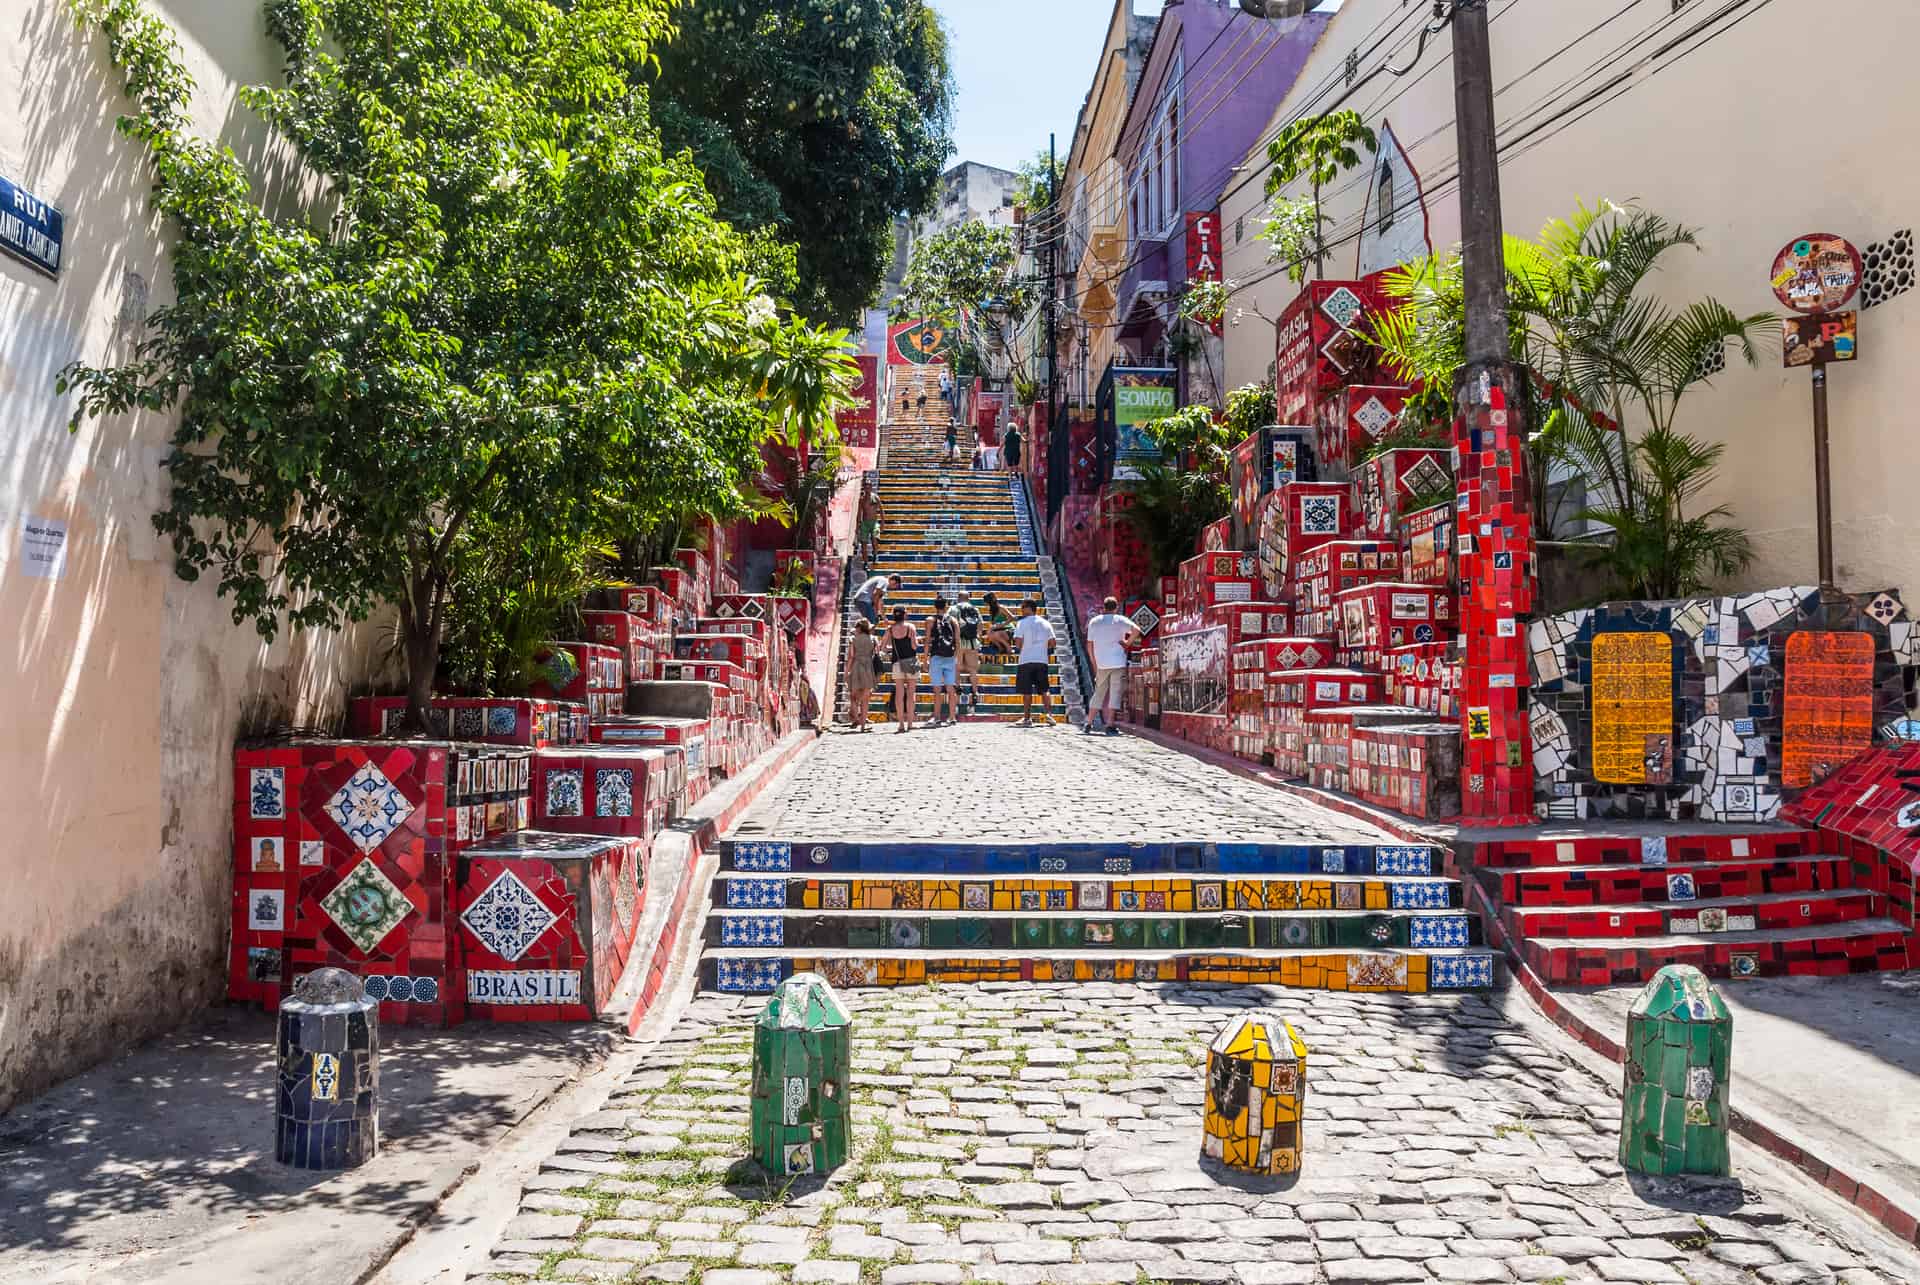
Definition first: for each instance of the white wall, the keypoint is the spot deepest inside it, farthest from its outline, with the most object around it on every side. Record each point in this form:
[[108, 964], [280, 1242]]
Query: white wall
[[126, 685], [1755, 137]]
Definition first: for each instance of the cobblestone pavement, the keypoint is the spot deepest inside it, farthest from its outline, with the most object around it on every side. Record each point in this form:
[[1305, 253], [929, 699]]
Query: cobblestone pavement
[[1049, 1134], [987, 782]]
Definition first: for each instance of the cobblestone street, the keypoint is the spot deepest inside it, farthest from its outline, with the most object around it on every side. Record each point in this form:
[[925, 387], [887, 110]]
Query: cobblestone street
[[985, 783], [1052, 1134]]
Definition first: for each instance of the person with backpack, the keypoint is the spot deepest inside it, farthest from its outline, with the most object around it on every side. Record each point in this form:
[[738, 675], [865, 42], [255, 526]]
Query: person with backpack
[[1010, 448], [967, 617], [943, 645]]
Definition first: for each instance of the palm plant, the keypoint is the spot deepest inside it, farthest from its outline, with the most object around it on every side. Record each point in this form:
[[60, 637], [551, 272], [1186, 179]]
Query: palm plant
[[1171, 507], [804, 490], [1602, 354]]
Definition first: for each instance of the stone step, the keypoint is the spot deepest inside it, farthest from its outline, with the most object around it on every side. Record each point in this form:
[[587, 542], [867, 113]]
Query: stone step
[[1628, 883], [1862, 946], [1061, 893], [907, 930], [1409, 864], [1682, 848], [1416, 972], [1662, 918]]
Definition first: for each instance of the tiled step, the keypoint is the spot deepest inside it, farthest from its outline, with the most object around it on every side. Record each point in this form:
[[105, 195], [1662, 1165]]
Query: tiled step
[[1411, 866], [1413, 972], [1181, 894], [1667, 918], [1618, 885], [909, 930], [1630, 849], [1862, 946]]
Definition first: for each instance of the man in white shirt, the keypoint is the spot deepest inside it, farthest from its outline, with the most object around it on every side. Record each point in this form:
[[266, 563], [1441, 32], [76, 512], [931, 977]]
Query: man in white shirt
[[1033, 678], [1109, 635]]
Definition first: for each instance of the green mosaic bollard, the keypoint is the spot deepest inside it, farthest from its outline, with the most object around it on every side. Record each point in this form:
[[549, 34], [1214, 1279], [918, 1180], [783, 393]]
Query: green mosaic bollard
[[1673, 1116], [800, 1071]]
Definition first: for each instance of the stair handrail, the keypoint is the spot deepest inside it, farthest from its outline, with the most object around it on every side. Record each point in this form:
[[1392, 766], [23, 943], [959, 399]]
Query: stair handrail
[[1074, 626]]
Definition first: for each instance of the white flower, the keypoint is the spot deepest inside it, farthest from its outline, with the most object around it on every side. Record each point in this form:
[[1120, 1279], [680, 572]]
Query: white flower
[[760, 310]]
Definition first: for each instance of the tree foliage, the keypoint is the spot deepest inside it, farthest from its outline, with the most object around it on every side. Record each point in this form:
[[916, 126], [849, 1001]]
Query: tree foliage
[[969, 277], [1609, 360], [511, 323], [1037, 178], [823, 119], [1170, 508], [1318, 149]]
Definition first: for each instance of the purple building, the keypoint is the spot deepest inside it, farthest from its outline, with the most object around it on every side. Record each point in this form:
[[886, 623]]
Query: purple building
[[1210, 85]]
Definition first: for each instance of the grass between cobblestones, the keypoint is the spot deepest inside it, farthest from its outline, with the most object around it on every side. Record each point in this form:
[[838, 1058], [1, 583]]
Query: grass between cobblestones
[[1051, 1134]]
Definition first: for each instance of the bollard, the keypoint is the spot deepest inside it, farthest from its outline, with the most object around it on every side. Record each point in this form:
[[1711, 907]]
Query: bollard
[[1673, 1110], [328, 1113], [1256, 1095], [800, 1070]]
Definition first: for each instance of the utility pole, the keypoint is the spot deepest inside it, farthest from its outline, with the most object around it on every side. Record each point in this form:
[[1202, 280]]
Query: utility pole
[[1053, 356], [1494, 536]]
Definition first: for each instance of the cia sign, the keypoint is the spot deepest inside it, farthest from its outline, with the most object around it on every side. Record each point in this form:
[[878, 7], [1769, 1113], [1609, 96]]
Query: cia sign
[[30, 229]]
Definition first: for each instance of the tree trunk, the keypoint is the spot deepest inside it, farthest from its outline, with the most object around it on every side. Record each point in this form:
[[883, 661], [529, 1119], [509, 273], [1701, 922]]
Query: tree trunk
[[422, 647]]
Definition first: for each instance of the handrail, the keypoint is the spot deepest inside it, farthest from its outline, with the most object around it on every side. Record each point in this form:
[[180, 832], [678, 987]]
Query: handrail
[[1067, 603]]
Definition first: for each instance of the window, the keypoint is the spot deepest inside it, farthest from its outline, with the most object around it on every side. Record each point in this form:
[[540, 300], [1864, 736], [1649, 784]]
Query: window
[[1173, 135], [1387, 201], [1239, 229], [1160, 171]]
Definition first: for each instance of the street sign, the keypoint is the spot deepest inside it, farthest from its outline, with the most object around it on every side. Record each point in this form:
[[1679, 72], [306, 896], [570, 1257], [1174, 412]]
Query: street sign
[[31, 230], [1818, 272], [1820, 338]]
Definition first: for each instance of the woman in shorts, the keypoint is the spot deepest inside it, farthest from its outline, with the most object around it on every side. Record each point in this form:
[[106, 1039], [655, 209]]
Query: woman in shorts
[[903, 650]]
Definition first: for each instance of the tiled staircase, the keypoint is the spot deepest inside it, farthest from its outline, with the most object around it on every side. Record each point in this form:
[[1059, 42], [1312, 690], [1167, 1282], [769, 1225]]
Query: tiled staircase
[[948, 527], [890, 914], [1598, 909]]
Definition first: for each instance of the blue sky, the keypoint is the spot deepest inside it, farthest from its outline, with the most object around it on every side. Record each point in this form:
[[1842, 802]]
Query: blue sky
[[1022, 67]]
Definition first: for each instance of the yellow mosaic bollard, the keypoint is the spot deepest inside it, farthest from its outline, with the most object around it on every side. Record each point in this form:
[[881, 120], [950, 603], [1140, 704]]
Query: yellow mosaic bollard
[[1256, 1095]]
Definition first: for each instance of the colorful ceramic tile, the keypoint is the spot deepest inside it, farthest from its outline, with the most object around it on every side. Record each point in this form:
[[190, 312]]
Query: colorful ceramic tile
[[366, 905], [508, 918], [267, 799], [369, 807], [1632, 701], [1828, 710]]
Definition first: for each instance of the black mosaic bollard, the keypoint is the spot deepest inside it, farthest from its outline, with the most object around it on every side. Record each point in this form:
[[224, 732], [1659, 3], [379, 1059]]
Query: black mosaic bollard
[[328, 1110]]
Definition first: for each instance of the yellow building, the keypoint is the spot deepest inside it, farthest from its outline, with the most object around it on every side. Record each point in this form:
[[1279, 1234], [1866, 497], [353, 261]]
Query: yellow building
[[1708, 115]]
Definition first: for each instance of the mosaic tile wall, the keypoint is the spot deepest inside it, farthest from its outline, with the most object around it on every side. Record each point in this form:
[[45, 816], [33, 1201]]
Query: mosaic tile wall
[[1214, 579], [1717, 708], [489, 720], [1385, 483], [344, 857], [1869, 814], [1331, 568], [1410, 768], [1426, 545], [1260, 464], [546, 924]]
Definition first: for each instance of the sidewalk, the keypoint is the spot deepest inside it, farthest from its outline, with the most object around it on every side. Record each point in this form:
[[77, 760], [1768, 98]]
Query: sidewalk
[[159, 1166], [1829, 1064]]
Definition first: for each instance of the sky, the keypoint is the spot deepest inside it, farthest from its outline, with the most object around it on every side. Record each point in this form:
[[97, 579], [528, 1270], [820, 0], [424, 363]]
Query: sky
[[1022, 67]]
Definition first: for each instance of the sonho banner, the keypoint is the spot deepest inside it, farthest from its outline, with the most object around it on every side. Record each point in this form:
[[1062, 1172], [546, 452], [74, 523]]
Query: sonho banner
[[860, 423], [918, 343], [1141, 395]]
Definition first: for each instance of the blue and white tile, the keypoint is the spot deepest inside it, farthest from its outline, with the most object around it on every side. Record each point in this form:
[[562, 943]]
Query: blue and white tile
[[1459, 972], [1420, 894], [752, 930], [763, 855], [1653, 850], [749, 976], [268, 794], [565, 793], [1438, 932], [1402, 861], [613, 792], [1333, 861], [1680, 887], [756, 894]]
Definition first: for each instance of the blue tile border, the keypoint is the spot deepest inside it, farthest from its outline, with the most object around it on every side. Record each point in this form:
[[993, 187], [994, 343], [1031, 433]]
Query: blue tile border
[[1113, 859]]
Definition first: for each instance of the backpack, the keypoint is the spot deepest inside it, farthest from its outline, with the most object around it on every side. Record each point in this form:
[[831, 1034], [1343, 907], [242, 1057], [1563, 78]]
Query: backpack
[[940, 636], [969, 623]]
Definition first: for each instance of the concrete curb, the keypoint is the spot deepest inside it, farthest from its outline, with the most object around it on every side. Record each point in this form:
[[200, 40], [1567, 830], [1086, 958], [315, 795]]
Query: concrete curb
[[1898, 1214], [664, 944]]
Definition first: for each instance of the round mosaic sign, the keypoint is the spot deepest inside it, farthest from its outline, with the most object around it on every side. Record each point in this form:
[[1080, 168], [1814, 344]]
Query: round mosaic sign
[[1818, 272]]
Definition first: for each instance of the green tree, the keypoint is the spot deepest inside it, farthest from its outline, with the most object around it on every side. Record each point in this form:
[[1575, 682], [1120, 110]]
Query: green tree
[[508, 318], [969, 277], [1036, 179], [1318, 149], [1171, 507], [823, 119]]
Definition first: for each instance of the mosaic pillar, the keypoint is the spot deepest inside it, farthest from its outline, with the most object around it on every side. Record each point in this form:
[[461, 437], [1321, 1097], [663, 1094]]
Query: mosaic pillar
[[801, 1070], [1496, 577], [1256, 1095], [327, 1108], [1673, 1111]]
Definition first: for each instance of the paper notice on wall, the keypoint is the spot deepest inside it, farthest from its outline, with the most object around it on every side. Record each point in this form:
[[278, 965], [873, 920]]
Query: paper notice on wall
[[43, 548]]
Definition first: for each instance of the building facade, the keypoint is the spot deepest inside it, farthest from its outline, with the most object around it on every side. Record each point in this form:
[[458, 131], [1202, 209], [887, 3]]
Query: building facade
[[1208, 87], [1655, 106], [128, 685]]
